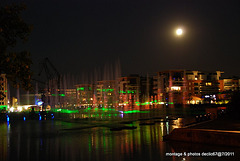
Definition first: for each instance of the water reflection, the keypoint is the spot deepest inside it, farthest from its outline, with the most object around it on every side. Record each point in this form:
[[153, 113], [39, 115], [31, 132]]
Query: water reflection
[[47, 140]]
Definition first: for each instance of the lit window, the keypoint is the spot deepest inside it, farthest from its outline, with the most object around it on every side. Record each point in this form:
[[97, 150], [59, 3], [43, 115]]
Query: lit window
[[208, 84], [175, 88]]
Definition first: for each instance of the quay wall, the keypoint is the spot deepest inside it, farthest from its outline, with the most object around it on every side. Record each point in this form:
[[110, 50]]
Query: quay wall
[[205, 136]]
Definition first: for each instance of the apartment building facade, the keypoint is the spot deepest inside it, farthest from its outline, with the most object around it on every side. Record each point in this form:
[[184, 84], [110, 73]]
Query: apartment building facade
[[187, 87]]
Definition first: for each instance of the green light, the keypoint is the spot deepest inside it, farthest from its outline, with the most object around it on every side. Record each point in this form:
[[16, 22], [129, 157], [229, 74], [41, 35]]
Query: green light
[[146, 103], [3, 107], [155, 101], [137, 103], [65, 111], [105, 90], [90, 88], [122, 92], [59, 95], [131, 91], [5, 91], [136, 111], [89, 143], [80, 89]]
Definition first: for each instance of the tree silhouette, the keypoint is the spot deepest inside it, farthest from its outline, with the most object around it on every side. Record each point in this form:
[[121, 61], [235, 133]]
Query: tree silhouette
[[16, 65]]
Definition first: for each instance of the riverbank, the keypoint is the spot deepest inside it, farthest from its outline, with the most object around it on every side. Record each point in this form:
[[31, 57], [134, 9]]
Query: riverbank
[[222, 131]]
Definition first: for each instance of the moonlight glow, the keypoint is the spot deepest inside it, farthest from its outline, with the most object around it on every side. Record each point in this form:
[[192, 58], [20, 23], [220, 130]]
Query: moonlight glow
[[179, 31]]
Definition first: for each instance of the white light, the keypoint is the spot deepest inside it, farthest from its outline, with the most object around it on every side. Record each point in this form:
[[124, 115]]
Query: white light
[[179, 31], [11, 109], [19, 108], [39, 103], [175, 88]]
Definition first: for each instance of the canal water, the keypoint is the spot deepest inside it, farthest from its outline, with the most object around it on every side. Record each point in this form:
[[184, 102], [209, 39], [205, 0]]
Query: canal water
[[55, 140]]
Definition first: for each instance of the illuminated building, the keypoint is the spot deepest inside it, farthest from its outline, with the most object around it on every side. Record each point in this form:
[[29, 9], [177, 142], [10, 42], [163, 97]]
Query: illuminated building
[[69, 97], [85, 95], [187, 87], [227, 87], [129, 90], [3, 90], [167, 87], [107, 93], [14, 102], [123, 93], [147, 95], [56, 98], [230, 84]]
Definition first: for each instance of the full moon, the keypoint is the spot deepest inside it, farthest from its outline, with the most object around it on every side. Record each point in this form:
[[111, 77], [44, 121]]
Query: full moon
[[179, 31]]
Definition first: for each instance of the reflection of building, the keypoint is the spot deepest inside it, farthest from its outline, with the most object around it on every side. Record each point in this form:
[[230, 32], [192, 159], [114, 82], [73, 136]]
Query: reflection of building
[[4, 92], [185, 86]]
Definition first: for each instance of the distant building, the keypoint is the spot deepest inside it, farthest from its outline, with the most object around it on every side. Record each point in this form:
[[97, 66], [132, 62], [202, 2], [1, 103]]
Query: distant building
[[4, 91], [187, 87], [69, 97], [227, 87], [230, 84], [129, 91], [125, 92], [57, 98], [167, 87], [84, 95], [106, 93]]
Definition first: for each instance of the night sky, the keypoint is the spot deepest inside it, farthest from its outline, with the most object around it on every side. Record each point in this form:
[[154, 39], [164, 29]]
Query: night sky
[[81, 35]]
